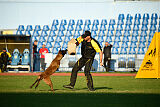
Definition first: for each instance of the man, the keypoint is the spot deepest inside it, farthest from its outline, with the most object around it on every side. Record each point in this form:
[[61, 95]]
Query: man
[[34, 54], [107, 56], [42, 52], [88, 50], [4, 58]]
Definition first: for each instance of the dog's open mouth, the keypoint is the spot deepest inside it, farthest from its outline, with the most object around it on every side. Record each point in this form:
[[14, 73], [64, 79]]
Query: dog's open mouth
[[64, 52]]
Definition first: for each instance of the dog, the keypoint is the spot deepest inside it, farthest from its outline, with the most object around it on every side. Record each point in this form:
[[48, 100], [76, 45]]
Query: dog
[[50, 70]]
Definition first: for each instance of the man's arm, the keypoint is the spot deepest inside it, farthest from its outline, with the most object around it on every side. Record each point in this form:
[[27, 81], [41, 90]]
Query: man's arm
[[101, 57]]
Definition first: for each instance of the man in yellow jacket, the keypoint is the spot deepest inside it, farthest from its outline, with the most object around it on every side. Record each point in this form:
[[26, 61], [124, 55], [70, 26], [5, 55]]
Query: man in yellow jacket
[[4, 58], [88, 50]]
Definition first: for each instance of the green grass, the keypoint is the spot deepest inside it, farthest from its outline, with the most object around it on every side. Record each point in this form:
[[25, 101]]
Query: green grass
[[114, 91]]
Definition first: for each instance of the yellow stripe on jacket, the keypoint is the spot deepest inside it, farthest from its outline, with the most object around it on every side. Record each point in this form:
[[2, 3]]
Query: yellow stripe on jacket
[[95, 46]]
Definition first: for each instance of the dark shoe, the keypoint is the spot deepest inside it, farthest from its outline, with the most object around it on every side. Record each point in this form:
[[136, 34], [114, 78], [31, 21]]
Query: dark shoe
[[68, 86], [91, 89]]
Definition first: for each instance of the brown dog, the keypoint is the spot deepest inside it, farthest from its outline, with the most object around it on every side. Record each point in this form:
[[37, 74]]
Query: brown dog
[[50, 70]]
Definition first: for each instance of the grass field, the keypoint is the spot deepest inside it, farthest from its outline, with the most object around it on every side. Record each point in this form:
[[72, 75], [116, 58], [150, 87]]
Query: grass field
[[111, 91]]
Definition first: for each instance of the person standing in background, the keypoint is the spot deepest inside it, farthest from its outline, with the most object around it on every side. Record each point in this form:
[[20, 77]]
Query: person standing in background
[[107, 56], [42, 52], [34, 54]]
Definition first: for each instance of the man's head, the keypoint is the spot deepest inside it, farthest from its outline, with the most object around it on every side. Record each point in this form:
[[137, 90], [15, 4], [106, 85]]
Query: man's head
[[44, 45], [35, 42], [4, 50], [87, 35], [106, 44]]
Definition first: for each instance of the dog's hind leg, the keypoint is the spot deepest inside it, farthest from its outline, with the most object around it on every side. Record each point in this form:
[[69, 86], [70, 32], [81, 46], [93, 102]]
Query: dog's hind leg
[[48, 81], [38, 83], [34, 83]]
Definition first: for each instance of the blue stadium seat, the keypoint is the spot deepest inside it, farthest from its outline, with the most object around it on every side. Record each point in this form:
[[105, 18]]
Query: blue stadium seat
[[117, 39], [153, 21], [126, 33], [145, 22], [86, 27], [57, 45], [120, 16], [141, 44], [138, 16], [103, 28], [129, 17], [134, 39], [67, 39], [104, 22], [110, 33], [39, 45], [125, 39], [150, 38], [136, 28], [68, 33], [55, 22], [25, 57], [100, 39], [80, 22], [143, 33], [133, 44], [123, 50], [129, 22], [34, 38], [52, 33], [101, 33], [79, 50], [145, 16], [116, 45], [55, 51], [93, 34], [48, 45], [76, 34], [54, 28], [18, 32], [159, 27], [135, 33], [144, 28], [58, 39], [154, 16], [140, 51], [21, 28], [118, 33], [50, 39], [44, 33], [27, 32], [70, 28], [96, 22], [153, 28], [71, 22], [119, 27], [63, 22], [132, 50], [29, 28], [112, 22], [37, 28], [45, 28], [78, 28], [87, 22], [15, 57], [109, 39], [60, 33], [137, 22], [111, 27], [62, 28], [124, 45], [64, 46], [114, 50], [120, 22], [94, 28], [35, 33], [148, 44], [127, 27], [42, 39]]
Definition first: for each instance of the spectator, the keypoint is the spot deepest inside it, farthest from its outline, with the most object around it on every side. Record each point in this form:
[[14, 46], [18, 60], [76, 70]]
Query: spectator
[[4, 58], [34, 54], [42, 52], [107, 56]]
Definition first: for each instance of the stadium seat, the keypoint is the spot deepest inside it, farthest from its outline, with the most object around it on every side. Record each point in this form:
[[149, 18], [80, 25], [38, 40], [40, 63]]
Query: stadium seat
[[141, 45], [136, 28], [117, 39], [145, 16], [67, 39], [129, 17], [21, 28], [124, 45], [35, 33], [62, 28], [144, 28], [76, 34], [86, 27], [58, 39], [127, 27], [109, 39], [134, 39], [55, 51], [123, 50], [52, 33], [125, 39], [120, 22], [153, 28], [137, 22], [63, 22], [50, 39], [116, 45], [141, 51], [55, 22], [18, 32], [114, 50], [138, 16], [60, 33], [80, 22], [110, 33], [37, 28], [15, 57], [150, 38], [154, 16], [87, 22], [29, 28], [44, 33], [57, 45], [135, 33], [145, 22], [119, 27], [121, 17], [78, 28], [118, 33], [143, 33], [68, 33], [101, 33], [103, 28], [25, 57], [93, 34], [126, 33], [153, 21], [79, 50], [39, 45], [122, 62], [104, 22], [94, 28], [100, 39], [131, 62], [112, 22], [111, 27], [133, 44], [70, 28], [42, 39], [34, 38], [129, 22], [48, 45], [159, 27], [142, 39], [45, 28], [54, 28], [64, 46], [132, 50], [96, 22], [71, 22], [27, 32]]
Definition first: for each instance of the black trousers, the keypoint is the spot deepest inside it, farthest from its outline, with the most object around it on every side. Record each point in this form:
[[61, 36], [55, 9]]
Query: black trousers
[[79, 64], [107, 60]]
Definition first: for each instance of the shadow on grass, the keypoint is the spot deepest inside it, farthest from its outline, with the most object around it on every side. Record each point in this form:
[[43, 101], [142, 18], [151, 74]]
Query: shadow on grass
[[79, 100]]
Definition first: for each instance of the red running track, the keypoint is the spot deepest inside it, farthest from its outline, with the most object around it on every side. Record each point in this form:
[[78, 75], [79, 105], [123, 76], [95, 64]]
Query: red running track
[[68, 74]]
